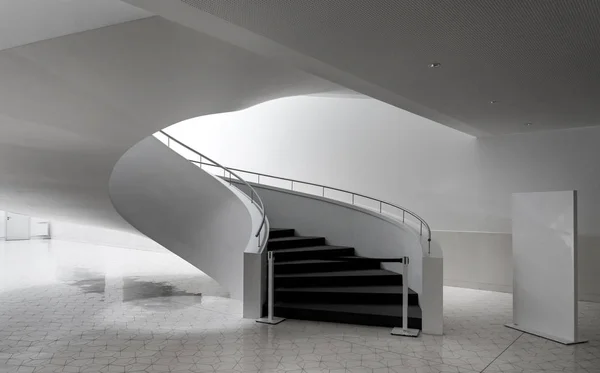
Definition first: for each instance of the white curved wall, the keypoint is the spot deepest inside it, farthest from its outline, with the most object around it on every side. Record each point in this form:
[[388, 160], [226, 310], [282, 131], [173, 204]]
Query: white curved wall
[[184, 209], [461, 185]]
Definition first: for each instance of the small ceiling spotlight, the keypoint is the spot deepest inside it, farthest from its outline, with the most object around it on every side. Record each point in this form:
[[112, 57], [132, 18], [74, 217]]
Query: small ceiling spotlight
[[494, 102], [528, 124], [435, 65]]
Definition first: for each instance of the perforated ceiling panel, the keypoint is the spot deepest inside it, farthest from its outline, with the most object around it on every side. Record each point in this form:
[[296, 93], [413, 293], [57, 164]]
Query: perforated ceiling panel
[[539, 59]]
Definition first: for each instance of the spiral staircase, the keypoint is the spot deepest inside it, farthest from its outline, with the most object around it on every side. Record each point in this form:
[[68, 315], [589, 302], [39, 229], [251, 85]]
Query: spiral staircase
[[321, 271]]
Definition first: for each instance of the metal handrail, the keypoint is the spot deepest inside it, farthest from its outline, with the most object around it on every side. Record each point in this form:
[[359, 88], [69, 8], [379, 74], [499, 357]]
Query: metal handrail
[[258, 201], [423, 223]]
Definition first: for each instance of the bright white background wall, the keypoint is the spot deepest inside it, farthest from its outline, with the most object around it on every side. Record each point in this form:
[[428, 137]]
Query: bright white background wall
[[460, 184], [2, 224], [68, 231]]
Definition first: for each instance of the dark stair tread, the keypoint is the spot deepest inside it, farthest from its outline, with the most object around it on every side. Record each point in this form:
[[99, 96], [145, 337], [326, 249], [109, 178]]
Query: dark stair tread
[[281, 232], [322, 264], [290, 242], [310, 261], [310, 248], [294, 238], [380, 260], [356, 273], [320, 282], [393, 310], [377, 289]]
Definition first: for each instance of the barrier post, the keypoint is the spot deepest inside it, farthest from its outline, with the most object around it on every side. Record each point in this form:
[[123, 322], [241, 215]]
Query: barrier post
[[270, 319], [405, 331]]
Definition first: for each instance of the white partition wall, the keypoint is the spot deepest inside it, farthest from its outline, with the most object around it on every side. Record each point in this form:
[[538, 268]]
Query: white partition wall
[[18, 227], [544, 229]]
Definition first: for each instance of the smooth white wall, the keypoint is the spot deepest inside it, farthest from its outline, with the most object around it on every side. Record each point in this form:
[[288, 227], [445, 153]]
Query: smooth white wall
[[2, 224], [358, 144], [458, 183], [69, 231]]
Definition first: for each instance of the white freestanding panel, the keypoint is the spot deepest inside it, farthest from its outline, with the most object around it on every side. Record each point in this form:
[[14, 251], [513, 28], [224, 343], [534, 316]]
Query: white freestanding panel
[[544, 227], [18, 227]]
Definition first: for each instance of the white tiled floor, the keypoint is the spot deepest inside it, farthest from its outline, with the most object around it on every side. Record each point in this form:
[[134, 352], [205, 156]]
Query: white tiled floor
[[71, 307]]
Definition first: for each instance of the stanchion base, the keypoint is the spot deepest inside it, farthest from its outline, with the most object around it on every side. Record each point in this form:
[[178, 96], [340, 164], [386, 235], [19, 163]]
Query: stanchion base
[[545, 336], [406, 332], [273, 321]]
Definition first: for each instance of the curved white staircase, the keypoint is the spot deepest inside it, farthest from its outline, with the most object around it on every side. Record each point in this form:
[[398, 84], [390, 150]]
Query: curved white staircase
[[185, 209], [211, 221]]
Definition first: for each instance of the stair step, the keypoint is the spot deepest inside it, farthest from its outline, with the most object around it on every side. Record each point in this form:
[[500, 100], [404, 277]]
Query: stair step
[[380, 260], [294, 242], [323, 265], [312, 252], [390, 294], [339, 278], [281, 232], [367, 314]]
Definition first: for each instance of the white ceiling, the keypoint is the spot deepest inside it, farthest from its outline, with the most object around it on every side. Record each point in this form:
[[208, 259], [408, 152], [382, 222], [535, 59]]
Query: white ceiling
[[540, 59], [70, 107], [28, 21]]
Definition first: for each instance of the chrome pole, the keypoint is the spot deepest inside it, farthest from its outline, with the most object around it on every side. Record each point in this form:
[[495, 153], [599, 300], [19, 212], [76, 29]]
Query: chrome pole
[[270, 319], [404, 330], [405, 293], [271, 304]]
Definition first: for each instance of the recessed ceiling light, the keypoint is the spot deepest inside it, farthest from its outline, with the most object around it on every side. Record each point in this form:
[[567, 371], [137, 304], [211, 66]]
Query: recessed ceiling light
[[528, 124], [435, 65], [493, 102]]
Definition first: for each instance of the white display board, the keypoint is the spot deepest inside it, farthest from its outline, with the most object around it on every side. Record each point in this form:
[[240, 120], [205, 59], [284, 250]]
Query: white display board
[[18, 227], [544, 229]]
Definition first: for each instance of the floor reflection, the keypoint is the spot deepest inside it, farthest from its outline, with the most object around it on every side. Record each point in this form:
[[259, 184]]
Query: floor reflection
[[137, 289], [132, 289], [89, 282], [76, 308]]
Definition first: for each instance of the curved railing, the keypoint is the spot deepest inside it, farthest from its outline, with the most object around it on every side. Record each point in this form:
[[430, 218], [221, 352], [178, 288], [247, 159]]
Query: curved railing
[[254, 197], [424, 228]]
